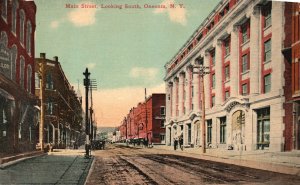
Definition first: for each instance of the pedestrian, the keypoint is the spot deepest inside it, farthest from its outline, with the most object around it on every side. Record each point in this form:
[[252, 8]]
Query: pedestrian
[[181, 142], [175, 143]]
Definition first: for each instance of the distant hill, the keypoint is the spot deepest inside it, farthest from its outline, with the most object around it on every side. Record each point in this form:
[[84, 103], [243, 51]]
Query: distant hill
[[106, 129]]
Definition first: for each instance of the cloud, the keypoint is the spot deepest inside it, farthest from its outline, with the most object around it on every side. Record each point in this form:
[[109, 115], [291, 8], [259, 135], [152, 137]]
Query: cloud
[[138, 72], [177, 14], [54, 24], [82, 16], [91, 65]]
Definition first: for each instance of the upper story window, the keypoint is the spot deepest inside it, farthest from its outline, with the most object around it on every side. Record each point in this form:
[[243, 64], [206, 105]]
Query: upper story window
[[162, 110], [29, 77], [267, 14], [22, 26], [192, 91], [14, 17], [213, 57], [49, 81], [227, 95], [49, 106], [227, 72], [28, 37], [245, 61], [213, 101], [267, 48], [4, 9], [245, 89], [199, 37], [267, 83], [22, 68], [213, 78], [245, 31], [37, 80], [227, 46]]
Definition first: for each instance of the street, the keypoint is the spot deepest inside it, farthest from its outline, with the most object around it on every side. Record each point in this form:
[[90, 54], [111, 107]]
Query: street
[[123, 165]]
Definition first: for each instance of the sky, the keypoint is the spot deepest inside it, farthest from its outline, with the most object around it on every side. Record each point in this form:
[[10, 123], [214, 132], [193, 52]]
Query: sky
[[124, 49]]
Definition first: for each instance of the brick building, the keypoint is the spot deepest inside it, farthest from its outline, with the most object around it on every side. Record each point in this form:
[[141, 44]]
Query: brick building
[[146, 119], [63, 111], [241, 43], [17, 101]]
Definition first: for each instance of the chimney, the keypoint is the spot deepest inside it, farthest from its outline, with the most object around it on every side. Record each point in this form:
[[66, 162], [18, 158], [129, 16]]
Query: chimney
[[43, 55], [55, 59]]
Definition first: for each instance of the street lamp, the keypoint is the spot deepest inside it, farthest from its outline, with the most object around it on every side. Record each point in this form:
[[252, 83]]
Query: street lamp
[[86, 83], [203, 70]]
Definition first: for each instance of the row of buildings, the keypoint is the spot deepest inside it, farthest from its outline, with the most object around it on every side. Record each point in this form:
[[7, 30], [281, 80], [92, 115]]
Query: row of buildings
[[251, 50], [20, 102], [145, 121]]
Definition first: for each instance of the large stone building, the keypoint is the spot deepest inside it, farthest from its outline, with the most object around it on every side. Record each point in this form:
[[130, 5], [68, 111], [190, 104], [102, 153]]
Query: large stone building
[[241, 44], [145, 119], [17, 101], [63, 111]]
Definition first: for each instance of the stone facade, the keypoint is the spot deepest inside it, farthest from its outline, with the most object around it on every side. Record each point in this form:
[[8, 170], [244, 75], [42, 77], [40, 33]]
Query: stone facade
[[240, 44]]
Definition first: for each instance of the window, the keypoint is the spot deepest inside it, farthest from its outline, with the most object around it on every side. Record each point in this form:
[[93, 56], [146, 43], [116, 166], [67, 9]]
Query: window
[[223, 130], [49, 106], [22, 26], [227, 46], [209, 131], [189, 133], [267, 83], [37, 80], [22, 68], [184, 94], [227, 95], [162, 110], [4, 9], [267, 47], [199, 37], [245, 32], [162, 123], [28, 38], [14, 17], [267, 15], [244, 63], [192, 106], [263, 128], [162, 137], [213, 57], [192, 91], [49, 81], [227, 72], [213, 100], [29, 75], [213, 83], [245, 89]]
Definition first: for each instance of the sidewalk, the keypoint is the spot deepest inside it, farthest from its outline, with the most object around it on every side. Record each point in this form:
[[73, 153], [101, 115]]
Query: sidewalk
[[15, 158], [282, 162]]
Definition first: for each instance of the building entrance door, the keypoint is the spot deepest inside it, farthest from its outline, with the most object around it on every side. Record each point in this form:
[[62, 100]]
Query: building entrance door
[[238, 130]]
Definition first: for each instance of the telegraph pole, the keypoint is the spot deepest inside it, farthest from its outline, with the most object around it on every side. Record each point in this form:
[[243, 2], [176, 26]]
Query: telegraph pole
[[86, 83], [42, 96], [146, 114]]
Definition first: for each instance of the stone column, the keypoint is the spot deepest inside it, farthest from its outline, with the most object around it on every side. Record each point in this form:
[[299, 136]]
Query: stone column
[[187, 90], [255, 57], [234, 62], [207, 81], [168, 100], [180, 95], [218, 73]]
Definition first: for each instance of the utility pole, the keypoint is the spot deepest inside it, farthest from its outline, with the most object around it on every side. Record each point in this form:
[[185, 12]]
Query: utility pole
[[42, 96], [93, 86], [146, 115], [202, 71], [86, 83]]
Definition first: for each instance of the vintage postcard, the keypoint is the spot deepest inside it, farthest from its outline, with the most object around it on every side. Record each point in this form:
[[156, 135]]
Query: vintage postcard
[[149, 92]]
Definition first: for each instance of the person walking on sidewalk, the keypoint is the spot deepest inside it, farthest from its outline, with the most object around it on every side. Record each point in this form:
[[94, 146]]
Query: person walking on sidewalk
[[181, 142], [175, 143]]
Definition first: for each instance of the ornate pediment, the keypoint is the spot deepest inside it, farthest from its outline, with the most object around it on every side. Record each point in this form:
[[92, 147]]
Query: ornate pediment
[[233, 103]]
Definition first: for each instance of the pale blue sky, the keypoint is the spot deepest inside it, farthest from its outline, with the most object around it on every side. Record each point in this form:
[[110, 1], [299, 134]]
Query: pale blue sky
[[120, 44], [125, 50]]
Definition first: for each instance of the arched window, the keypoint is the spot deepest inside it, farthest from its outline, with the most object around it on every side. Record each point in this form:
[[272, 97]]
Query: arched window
[[4, 10], [28, 38], [29, 77], [22, 26], [22, 67], [37, 80], [14, 17]]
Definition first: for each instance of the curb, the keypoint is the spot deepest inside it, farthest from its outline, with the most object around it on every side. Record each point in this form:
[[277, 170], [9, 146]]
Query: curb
[[9, 161], [261, 165]]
